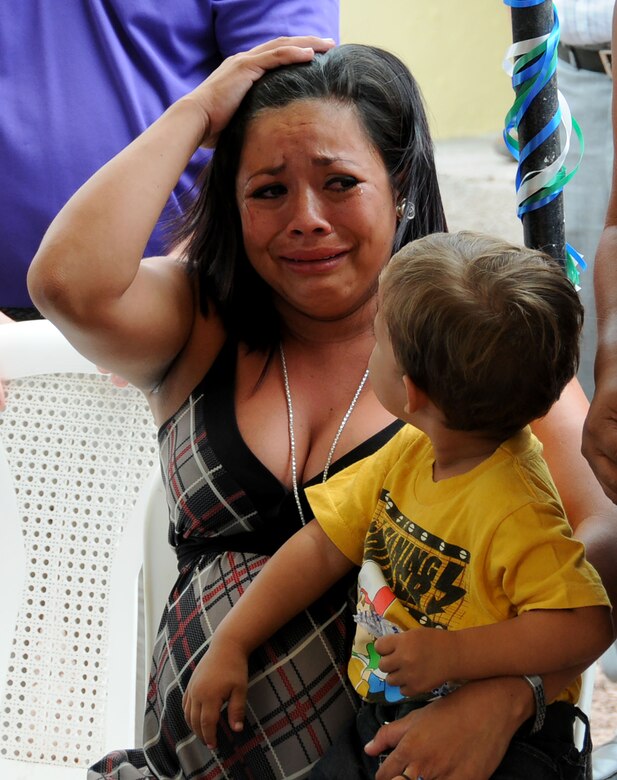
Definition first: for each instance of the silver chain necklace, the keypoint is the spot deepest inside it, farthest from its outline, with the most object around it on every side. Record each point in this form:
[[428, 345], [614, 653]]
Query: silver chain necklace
[[292, 438]]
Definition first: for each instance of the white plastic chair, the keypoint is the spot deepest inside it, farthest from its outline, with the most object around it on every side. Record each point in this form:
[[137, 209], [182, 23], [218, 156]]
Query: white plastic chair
[[584, 703], [608, 662], [159, 564], [78, 471]]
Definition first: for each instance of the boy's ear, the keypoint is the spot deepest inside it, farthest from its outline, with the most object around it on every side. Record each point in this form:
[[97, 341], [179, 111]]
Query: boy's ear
[[416, 398], [412, 391]]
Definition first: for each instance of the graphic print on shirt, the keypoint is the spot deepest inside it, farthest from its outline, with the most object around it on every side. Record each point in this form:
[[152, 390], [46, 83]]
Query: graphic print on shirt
[[409, 577]]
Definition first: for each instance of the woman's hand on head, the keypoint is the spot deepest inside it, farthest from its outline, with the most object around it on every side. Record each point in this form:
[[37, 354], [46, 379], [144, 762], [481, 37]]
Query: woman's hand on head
[[222, 92]]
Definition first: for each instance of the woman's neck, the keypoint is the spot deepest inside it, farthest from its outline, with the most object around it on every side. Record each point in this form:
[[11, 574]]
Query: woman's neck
[[299, 328]]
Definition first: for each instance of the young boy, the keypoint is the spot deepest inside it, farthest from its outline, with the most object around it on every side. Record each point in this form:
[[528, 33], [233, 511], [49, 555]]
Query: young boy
[[468, 567]]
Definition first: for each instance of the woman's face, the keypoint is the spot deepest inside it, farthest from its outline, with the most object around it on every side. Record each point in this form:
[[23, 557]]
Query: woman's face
[[317, 208]]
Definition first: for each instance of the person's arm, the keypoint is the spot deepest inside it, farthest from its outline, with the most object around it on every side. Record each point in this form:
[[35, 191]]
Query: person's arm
[[298, 574], [241, 24], [600, 432], [535, 642], [87, 276]]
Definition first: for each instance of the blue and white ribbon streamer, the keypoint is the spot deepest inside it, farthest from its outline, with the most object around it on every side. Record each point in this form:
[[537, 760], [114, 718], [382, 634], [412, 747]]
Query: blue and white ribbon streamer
[[531, 64]]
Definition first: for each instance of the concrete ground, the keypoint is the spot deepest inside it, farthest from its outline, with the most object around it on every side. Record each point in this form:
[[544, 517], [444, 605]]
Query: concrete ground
[[477, 184]]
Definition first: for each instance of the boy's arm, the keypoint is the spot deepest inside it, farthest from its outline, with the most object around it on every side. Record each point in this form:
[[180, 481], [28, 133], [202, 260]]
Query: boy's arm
[[301, 571], [536, 642]]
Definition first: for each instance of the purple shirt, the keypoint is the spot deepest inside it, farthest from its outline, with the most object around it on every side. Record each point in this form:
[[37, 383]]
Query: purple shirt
[[79, 79]]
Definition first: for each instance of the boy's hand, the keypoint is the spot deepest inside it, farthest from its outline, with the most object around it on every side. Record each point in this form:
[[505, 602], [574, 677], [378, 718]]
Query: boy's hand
[[220, 676], [417, 660]]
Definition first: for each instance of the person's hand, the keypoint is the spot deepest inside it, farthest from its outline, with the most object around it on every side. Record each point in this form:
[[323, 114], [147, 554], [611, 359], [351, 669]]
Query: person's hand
[[600, 437], [462, 736], [3, 320], [417, 661], [116, 380], [220, 676], [221, 93]]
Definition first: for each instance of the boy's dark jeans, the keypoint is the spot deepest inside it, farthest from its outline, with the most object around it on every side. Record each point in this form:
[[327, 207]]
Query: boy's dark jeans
[[548, 755]]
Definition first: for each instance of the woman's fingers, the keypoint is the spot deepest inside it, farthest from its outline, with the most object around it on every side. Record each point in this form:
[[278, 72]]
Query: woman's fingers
[[299, 41], [303, 41], [400, 763]]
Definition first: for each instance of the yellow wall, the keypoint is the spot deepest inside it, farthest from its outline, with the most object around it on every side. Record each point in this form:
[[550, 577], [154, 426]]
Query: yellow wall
[[455, 49]]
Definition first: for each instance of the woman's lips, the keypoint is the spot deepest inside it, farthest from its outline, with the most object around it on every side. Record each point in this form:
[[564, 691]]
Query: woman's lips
[[314, 257]]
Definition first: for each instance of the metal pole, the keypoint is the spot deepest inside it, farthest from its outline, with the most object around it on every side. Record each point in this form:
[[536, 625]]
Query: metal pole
[[543, 228]]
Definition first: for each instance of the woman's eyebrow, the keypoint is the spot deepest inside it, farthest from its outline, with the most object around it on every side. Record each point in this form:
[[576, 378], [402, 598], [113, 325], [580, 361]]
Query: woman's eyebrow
[[270, 171], [321, 160], [325, 161]]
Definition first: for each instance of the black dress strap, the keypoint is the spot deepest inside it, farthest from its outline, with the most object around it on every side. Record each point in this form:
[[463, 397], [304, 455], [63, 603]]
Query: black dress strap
[[266, 542]]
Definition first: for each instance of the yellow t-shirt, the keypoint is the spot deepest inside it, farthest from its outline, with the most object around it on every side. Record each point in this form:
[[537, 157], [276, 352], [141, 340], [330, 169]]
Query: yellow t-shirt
[[467, 551]]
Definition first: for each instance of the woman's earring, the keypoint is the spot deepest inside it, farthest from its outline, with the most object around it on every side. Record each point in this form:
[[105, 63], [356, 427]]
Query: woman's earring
[[405, 210]]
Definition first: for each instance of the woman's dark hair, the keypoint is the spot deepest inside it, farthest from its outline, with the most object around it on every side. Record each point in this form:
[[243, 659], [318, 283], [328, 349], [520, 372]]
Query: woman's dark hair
[[390, 108]]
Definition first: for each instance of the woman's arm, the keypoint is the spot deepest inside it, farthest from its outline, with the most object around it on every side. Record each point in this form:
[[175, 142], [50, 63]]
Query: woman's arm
[[296, 576], [590, 512], [87, 276]]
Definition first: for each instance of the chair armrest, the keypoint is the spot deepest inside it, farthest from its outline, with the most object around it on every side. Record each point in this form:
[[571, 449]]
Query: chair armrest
[[37, 347]]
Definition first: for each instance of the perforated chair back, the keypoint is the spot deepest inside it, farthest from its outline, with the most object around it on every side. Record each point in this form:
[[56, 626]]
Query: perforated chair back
[[77, 459]]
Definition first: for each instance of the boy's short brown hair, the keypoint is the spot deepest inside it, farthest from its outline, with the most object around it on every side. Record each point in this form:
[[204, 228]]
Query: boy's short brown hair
[[487, 329]]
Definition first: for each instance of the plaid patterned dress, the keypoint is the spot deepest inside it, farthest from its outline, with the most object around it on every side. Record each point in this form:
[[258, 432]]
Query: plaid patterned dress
[[227, 512]]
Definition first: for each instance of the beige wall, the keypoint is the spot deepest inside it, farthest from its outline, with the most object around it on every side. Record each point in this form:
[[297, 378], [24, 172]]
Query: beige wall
[[455, 49]]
